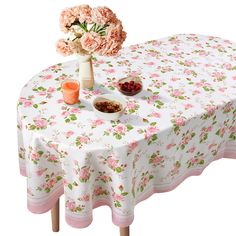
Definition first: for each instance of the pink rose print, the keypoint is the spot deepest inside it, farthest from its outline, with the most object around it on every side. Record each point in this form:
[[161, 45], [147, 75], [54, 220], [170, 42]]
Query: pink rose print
[[84, 198], [175, 170], [69, 133], [97, 122], [84, 174], [156, 159], [218, 76], [186, 138], [70, 113], [40, 123], [113, 163], [196, 160], [105, 178], [47, 77], [71, 206], [50, 181], [82, 140], [146, 177], [119, 197], [99, 191]]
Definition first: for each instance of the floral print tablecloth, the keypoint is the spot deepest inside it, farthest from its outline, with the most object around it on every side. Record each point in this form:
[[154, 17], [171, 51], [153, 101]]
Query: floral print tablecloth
[[184, 118]]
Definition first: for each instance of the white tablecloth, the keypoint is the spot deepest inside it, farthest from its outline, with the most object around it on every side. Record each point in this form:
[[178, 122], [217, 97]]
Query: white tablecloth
[[184, 118]]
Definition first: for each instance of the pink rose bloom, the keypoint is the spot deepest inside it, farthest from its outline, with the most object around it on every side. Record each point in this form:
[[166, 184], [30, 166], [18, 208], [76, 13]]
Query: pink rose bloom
[[98, 191], [192, 149], [64, 47], [64, 182], [222, 89], [34, 156], [75, 110], [155, 114], [46, 77], [209, 128], [110, 71], [156, 160], [71, 205], [176, 93], [194, 160], [169, 146], [105, 178], [27, 103], [91, 41], [51, 183], [151, 63], [65, 113], [152, 99], [40, 123], [133, 145], [103, 15], [84, 173], [60, 101], [69, 133], [112, 162], [180, 121], [210, 109], [40, 172], [131, 105], [188, 105], [196, 92], [134, 74], [52, 158], [234, 77], [145, 180], [187, 72], [85, 198], [120, 129], [84, 139], [117, 197], [154, 75], [51, 90], [152, 129], [42, 93], [222, 131], [98, 122]]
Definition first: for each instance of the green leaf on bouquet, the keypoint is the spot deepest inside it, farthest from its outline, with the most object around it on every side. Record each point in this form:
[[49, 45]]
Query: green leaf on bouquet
[[35, 106], [70, 186], [124, 193]]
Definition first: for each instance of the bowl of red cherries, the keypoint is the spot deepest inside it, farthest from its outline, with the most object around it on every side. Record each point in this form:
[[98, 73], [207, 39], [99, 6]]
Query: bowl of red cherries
[[130, 86]]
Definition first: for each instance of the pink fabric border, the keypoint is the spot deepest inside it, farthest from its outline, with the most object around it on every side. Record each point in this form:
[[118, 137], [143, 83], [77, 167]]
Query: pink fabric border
[[44, 205]]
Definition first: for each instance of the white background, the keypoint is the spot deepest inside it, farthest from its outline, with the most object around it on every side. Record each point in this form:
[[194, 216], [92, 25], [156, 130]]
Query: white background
[[203, 205]]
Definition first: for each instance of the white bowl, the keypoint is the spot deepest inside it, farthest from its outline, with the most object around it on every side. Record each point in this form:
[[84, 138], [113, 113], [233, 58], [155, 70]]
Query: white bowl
[[109, 116]]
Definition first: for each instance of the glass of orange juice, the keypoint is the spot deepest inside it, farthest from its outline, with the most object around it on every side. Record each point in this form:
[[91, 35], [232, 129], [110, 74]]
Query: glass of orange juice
[[70, 89]]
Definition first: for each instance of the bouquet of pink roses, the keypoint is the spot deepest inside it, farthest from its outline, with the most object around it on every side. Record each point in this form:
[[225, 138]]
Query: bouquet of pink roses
[[92, 30]]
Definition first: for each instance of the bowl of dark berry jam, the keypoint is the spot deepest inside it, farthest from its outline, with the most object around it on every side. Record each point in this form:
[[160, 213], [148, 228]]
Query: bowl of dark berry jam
[[130, 86]]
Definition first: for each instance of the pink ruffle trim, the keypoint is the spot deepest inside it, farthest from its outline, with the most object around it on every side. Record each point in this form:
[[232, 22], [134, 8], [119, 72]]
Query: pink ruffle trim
[[45, 204]]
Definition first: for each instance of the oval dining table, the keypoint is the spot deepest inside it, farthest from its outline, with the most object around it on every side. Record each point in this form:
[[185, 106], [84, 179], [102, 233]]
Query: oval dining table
[[183, 119]]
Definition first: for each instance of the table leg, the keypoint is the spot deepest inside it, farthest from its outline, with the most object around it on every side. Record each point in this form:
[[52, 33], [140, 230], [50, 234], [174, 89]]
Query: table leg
[[55, 216], [124, 231]]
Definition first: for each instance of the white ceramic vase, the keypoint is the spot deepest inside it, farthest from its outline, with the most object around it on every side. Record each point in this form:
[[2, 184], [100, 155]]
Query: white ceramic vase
[[86, 76]]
